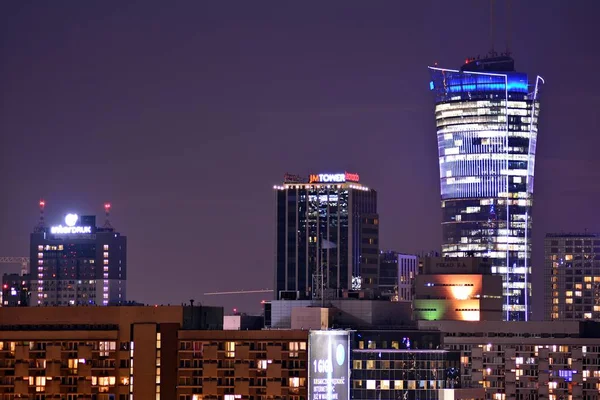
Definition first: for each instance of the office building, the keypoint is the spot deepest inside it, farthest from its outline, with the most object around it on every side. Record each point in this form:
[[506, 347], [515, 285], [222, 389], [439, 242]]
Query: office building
[[572, 276], [407, 364], [388, 273], [408, 269], [526, 360], [78, 263], [457, 288], [102, 353], [329, 223], [15, 290], [486, 116], [397, 272]]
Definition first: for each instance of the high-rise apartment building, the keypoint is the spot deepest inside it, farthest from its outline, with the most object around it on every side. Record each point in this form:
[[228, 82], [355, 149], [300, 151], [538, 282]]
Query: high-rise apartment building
[[328, 223], [77, 263], [486, 116], [572, 276]]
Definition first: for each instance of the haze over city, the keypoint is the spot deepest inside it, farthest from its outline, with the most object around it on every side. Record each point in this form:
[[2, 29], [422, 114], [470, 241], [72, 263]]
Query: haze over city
[[185, 115]]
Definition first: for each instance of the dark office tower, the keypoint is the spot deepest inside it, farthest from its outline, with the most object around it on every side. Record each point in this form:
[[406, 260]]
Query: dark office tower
[[327, 223], [78, 263], [486, 115]]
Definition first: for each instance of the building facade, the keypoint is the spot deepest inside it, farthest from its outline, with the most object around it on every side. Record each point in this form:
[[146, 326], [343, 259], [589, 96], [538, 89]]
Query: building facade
[[328, 223], [406, 365], [397, 272], [486, 116], [572, 276], [526, 360], [101, 353], [77, 263], [457, 288], [15, 290], [232, 365]]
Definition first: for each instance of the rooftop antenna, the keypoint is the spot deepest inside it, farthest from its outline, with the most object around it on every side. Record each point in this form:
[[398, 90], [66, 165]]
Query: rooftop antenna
[[107, 224], [41, 224], [492, 52], [508, 27]]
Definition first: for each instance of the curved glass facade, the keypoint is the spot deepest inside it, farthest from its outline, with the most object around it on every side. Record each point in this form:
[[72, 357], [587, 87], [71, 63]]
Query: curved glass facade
[[486, 133]]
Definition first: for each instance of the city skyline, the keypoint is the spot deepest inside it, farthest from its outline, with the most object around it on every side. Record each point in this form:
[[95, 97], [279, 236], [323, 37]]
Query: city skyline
[[183, 118]]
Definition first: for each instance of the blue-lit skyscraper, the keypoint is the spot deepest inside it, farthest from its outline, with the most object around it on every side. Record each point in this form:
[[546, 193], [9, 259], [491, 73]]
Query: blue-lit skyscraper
[[486, 116]]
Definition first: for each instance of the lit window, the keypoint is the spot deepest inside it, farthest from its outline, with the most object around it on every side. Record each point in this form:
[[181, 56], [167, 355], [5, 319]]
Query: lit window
[[519, 360], [105, 247], [371, 384], [294, 382], [230, 349], [294, 347], [385, 385]]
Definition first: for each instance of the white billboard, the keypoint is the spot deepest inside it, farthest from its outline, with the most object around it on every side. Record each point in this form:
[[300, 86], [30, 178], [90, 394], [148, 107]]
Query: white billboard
[[329, 365]]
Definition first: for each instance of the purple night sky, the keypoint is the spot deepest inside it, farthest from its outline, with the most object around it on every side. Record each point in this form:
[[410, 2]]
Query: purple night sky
[[184, 114]]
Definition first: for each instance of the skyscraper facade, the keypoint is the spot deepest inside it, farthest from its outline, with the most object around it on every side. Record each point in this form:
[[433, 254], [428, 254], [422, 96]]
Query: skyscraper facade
[[486, 116], [328, 223], [77, 263]]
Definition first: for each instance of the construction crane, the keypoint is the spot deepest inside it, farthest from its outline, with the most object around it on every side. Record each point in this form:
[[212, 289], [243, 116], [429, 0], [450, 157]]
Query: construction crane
[[239, 292], [24, 261]]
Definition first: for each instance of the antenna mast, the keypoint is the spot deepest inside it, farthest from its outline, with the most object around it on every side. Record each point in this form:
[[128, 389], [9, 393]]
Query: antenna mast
[[508, 27], [492, 51], [41, 224], [107, 224]]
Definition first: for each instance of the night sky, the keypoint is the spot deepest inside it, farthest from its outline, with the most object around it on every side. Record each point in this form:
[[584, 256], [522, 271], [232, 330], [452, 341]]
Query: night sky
[[184, 114]]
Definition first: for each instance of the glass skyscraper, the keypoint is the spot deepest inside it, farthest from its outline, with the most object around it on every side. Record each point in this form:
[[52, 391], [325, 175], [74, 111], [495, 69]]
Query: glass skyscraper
[[328, 222], [486, 116]]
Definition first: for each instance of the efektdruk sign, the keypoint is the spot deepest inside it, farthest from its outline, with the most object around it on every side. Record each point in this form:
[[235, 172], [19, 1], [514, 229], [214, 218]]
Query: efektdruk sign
[[70, 228]]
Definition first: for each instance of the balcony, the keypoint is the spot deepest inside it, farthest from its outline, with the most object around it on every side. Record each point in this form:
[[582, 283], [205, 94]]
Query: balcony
[[242, 371], [274, 352]]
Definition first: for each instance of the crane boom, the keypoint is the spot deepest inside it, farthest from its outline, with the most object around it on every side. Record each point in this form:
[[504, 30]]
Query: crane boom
[[238, 292], [24, 261]]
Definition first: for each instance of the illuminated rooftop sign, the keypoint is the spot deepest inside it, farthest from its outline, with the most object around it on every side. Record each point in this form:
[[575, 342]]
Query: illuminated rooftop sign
[[70, 228], [334, 178]]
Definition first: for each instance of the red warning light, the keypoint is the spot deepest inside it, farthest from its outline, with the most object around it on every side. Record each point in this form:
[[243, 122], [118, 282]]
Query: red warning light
[[5, 286], [107, 205], [42, 203]]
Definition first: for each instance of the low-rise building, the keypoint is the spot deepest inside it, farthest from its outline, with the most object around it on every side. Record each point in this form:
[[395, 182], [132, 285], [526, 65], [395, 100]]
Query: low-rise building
[[457, 288]]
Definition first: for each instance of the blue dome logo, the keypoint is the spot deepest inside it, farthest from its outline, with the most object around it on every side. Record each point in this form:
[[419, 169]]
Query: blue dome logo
[[340, 354]]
